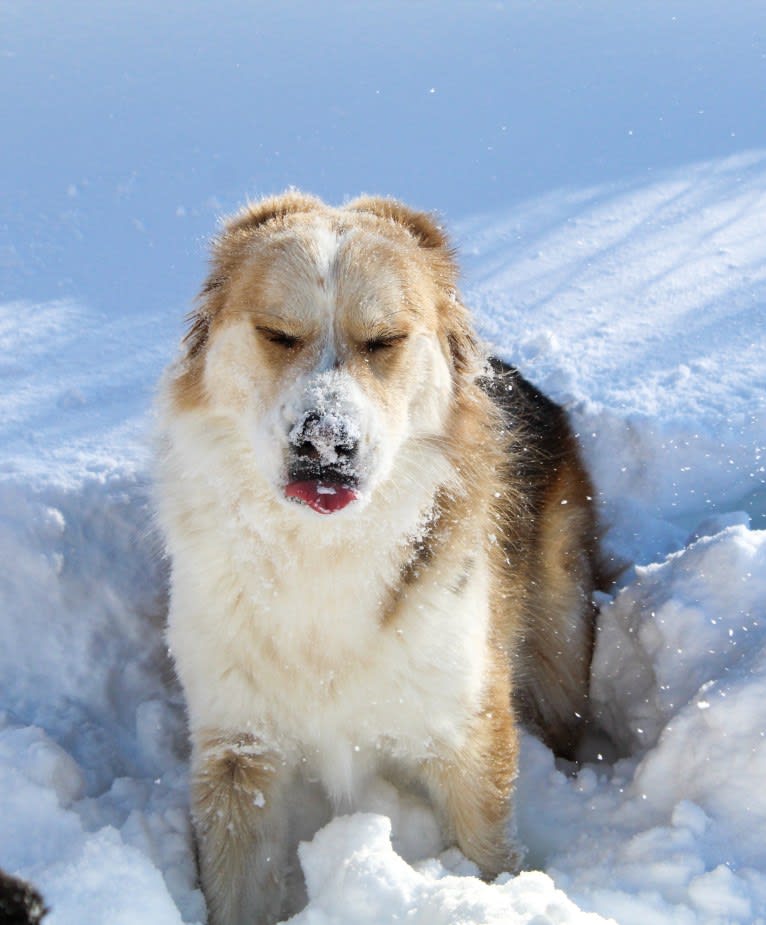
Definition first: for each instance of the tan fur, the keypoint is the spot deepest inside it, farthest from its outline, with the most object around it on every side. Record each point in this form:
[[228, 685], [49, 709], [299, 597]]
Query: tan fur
[[561, 654], [507, 531], [232, 795], [471, 789]]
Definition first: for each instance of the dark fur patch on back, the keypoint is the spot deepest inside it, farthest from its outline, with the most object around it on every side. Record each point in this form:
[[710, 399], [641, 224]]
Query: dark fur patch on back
[[554, 447]]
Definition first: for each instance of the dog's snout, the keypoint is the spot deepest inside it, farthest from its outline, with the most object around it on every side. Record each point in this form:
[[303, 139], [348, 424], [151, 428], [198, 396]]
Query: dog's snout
[[324, 438]]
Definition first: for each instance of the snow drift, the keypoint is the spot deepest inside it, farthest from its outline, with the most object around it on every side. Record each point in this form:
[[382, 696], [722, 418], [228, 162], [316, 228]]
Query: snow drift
[[661, 361]]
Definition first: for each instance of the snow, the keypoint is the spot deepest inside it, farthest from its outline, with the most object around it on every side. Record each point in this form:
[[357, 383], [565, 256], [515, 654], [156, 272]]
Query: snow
[[604, 175], [353, 874]]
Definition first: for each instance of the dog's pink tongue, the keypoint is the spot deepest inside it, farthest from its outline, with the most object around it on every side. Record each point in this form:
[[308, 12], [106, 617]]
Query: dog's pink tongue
[[322, 497]]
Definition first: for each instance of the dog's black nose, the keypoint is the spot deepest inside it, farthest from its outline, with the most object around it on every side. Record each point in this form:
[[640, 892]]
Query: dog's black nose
[[324, 438]]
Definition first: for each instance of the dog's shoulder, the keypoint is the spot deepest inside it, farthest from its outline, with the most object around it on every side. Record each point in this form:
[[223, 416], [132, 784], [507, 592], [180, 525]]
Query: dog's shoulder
[[525, 408], [544, 446]]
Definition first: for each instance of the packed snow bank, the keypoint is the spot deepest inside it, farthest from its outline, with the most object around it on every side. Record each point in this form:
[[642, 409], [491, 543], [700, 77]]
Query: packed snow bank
[[617, 301], [92, 739]]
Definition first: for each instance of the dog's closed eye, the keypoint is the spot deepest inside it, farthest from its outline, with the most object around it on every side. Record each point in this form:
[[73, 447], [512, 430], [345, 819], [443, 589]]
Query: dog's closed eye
[[280, 338], [384, 342]]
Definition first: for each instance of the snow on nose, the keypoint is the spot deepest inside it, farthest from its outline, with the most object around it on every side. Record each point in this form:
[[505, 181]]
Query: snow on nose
[[325, 438]]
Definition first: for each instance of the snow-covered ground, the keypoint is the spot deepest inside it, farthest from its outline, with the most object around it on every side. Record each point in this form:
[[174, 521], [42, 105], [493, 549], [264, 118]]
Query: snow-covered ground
[[604, 174]]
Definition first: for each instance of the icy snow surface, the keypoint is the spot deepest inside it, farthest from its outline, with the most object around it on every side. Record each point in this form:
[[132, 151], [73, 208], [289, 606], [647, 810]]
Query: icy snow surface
[[604, 175]]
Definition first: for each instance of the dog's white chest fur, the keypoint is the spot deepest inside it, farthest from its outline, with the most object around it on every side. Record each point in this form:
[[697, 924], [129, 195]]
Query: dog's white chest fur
[[316, 648]]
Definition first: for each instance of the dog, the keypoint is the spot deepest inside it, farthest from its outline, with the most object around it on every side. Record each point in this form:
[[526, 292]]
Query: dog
[[383, 544]]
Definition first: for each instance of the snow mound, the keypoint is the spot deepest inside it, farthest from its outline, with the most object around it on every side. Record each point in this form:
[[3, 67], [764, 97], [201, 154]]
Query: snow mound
[[687, 631], [673, 831], [354, 875]]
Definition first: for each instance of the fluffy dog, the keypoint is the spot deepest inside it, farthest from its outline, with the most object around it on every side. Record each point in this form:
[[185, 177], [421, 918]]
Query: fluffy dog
[[382, 543]]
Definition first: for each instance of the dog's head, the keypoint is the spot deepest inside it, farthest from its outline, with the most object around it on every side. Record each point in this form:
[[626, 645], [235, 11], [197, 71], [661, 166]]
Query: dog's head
[[333, 338]]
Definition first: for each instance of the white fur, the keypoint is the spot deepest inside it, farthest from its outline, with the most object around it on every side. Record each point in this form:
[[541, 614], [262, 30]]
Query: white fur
[[247, 569]]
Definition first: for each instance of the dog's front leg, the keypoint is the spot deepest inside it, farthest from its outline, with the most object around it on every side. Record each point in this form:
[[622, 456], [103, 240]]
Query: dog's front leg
[[238, 796], [472, 788]]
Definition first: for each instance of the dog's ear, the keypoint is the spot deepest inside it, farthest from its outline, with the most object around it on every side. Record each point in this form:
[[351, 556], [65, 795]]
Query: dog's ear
[[230, 244], [422, 226], [428, 233], [227, 251], [272, 208]]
